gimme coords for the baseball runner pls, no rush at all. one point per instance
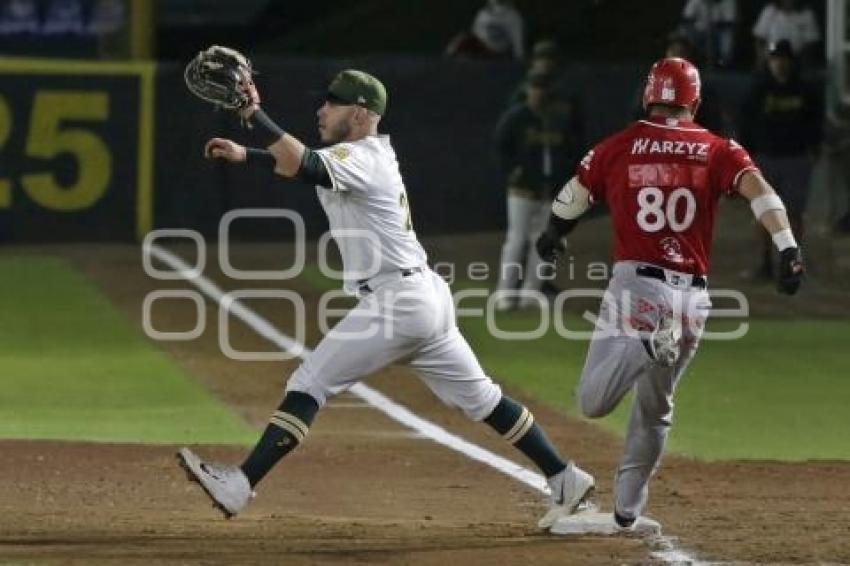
(405, 312)
(661, 178)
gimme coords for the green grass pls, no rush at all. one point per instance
(73, 368)
(781, 392)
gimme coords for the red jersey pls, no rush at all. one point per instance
(662, 179)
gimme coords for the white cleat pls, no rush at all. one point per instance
(570, 490)
(226, 485)
(664, 343)
(596, 523)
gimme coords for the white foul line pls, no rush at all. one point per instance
(374, 398)
(378, 400)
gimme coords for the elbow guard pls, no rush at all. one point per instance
(783, 239)
(764, 203)
(572, 201)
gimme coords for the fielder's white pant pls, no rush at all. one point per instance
(405, 319)
(617, 362)
(527, 218)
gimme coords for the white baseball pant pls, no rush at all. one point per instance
(618, 362)
(404, 319)
(527, 218)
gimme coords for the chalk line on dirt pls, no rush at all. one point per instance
(665, 548)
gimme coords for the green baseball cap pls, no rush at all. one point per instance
(356, 87)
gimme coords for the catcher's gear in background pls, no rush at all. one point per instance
(790, 270)
(217, 75)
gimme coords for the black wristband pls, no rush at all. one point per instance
(254, 155)
(266, 132)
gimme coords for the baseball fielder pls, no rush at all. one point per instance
(405, 312)
(662, 178)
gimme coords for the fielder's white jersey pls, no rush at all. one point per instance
(368, 211)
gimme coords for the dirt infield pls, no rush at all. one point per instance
(363, 489)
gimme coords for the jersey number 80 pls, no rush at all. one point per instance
(654, 214)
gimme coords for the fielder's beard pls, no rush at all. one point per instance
(337, 133)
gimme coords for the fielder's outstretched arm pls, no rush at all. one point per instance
(311, 170)
(292, 158)
(285, 152)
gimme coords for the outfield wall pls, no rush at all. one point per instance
(76, 150)
(107, 151)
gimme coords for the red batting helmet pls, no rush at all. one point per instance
(674, 82)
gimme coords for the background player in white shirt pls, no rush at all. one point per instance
(405, 312)
(792, 20)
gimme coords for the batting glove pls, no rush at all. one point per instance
(790, 270)
(550, 246)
